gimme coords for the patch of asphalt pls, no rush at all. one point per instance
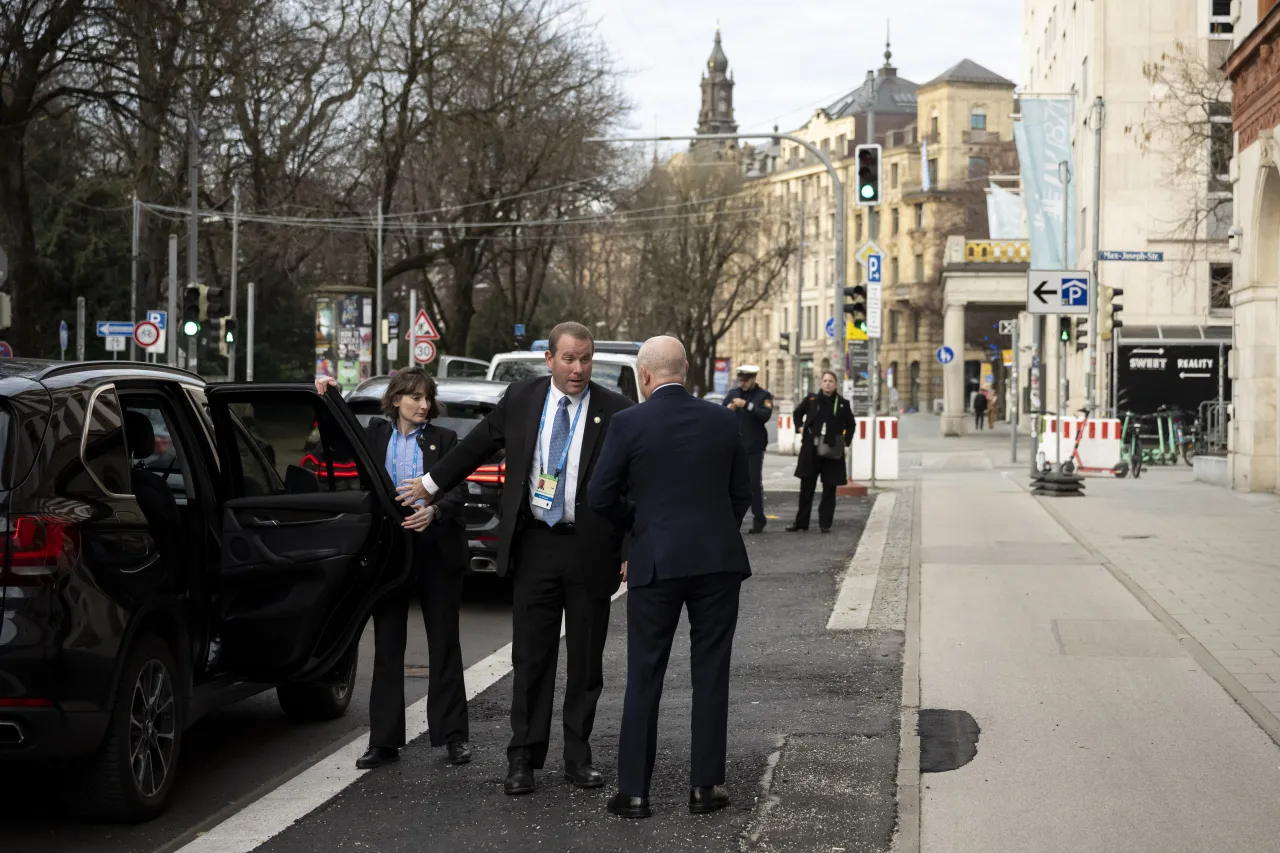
(831, 696)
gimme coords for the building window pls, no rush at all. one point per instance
(1220, 147)
(935, 178)
(915, 327)
(977, 120)
(933, 126)
(857, 226)
(896, 218)
(977, 167)
(842, 146)
(893, 327)
(893, 176)
(1220, 19)
(920, 267)
(1220, 277)
(894, 267)
(831, 225)
(919, 217)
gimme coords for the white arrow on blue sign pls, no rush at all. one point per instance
(115, 329)
(946, 355)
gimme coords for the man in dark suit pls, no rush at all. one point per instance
(674, 472)
(565, 558)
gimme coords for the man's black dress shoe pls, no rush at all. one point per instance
(583, 775)
(519, 777)
(376, 757)
(458, 752)
(707, 800)
(629, 807)
(791, 528)
(756, 529)
(826, 530)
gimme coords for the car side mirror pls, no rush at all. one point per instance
(300, 481)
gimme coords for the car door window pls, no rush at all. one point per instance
(291, 446)
(169, 461)
(627, 384)
(103, 453)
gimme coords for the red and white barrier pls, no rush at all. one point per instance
(1099, 449)
(788, 443)
(886, 449)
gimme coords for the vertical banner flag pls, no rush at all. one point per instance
(1043, 137)
(1006, 214)
(926, 180)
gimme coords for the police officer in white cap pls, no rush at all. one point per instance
(754, 407)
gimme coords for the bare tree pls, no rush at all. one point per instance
(709, 250)
(1188, 126)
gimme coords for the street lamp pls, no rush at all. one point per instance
(837, 188)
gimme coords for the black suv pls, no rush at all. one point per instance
(166, 554)
(463, 404)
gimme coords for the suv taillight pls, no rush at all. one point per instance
(492, 475)
(38, 549)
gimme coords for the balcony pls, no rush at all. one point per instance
(974, 137)
(997, 251)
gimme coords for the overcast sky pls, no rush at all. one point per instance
(790, 56)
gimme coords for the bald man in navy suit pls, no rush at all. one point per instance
(673, 471)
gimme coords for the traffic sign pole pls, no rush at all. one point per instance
(80, 312)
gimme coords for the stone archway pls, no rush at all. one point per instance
(1254, 443)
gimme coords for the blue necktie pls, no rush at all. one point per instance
(559, 437)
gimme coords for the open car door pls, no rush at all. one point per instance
(311, 531)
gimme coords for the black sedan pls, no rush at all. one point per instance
(463, 404)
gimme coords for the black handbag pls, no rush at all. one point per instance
(829, 451)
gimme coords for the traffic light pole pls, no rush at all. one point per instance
(1092, 380)
(837, 190)
(173, 323)
(235, 263)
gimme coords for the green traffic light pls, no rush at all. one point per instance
(231, 337)
(190, 328)
(868, 191)
(1066, 336)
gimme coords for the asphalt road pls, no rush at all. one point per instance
(812, 752)
(231, 756)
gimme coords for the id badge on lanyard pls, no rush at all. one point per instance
(544, 489)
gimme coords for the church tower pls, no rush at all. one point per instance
(716, 115)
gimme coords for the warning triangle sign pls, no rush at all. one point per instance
(423, 329)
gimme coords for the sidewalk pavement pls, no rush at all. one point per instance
(1120, 653)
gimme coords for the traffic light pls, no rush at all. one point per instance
(213, 304)
(1064, 329)
(868, 157)
(784, 341)
(858, 307)
(192, 298)
(229, 329)
(1109, 312)
(1082, 335)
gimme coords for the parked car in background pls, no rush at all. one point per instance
(459, 367)
(616, 347)
(615, 371)
(165, 555)
(463, 404)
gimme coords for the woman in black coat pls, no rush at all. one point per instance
(408, 444)
(825, 422)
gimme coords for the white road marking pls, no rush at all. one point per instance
(267, 817)
(858, 587)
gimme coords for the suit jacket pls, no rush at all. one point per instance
(513, 425)
(447, 535)
(674, 472)
(814, 411)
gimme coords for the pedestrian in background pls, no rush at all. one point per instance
(754, 407)
(411, 446)
(979, 410)
(826, 423)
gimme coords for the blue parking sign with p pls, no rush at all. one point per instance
(1075, 291)
(873, 268)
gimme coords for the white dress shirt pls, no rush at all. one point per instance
(570, 473)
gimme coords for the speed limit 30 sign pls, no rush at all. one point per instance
(147, 334)
(424, 352)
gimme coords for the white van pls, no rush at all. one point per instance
(614, 371)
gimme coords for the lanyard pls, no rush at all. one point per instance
(568, 442)
(417, 452)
